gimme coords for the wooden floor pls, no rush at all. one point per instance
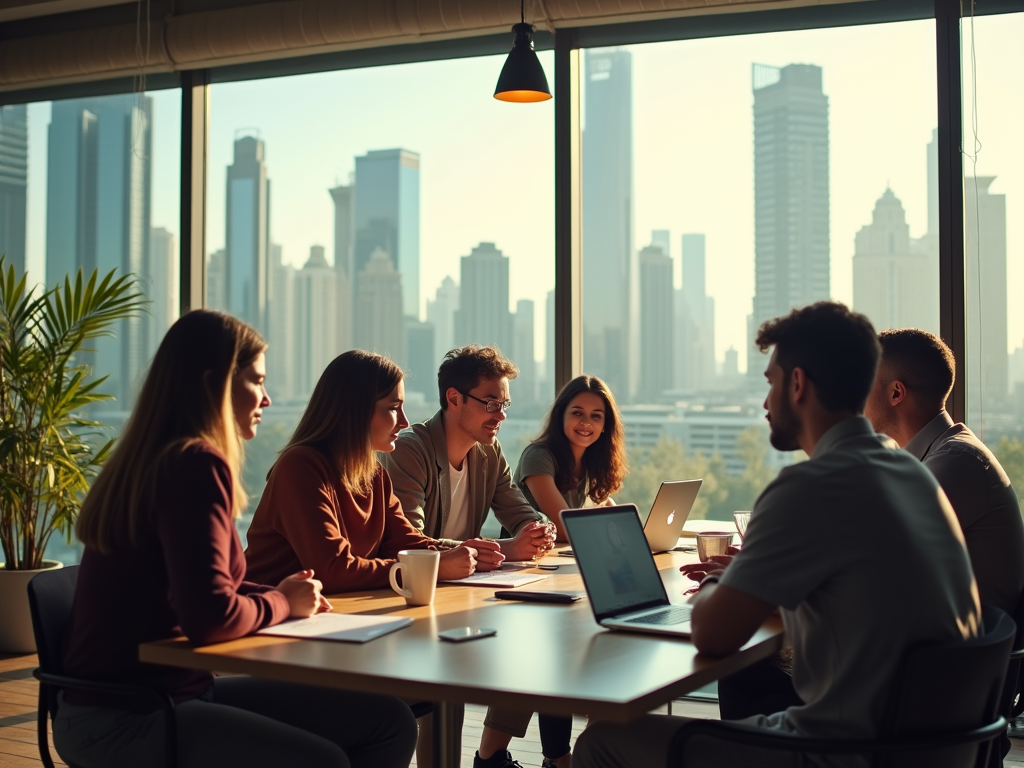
(18, 691)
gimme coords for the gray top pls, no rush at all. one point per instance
(538, 460)
(863, 555)
(984, 502)
(419, 474)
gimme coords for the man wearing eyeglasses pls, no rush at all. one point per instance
(449, 470)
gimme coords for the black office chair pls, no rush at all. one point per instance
(50, 596)
(944, 711)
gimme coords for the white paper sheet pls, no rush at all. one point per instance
(345, 627)
(497, 579)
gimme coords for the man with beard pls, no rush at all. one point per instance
(813, 547)
(449, 470)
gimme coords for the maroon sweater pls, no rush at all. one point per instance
(184, 576)
(307, 518)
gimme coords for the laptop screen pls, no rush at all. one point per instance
(614, 559)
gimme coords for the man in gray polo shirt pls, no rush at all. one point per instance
(858, 547)
(908, 403)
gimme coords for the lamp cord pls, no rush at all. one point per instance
(522, 11)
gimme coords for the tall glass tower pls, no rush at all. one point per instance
(98, 203)
(387, 217)
(791, 190)
(248, 232)
(13, 182)
(610, 268)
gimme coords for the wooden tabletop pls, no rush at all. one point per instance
(545, 657)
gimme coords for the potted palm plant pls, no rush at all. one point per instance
(49, 449)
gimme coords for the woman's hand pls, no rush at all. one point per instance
(456, 563)
(303, 593)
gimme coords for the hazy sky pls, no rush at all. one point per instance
(487, 167)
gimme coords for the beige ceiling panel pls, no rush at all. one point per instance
(269, 30)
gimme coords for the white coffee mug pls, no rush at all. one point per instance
(419, 575)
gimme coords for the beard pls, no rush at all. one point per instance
(785, 428)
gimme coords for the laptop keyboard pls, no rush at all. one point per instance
(677, 614)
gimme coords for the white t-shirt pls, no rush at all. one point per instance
(862, 552)
(458, 516)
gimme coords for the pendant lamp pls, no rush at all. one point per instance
(522, 78)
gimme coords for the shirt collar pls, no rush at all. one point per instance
(928, 434)
(851, 427)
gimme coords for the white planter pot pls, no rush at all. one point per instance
(15, 619)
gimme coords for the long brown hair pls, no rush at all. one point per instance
(605, 460)
(337, 418)
(185, 399)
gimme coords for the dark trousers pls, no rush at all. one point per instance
(555, 733)
(246, 723)
(760, 689)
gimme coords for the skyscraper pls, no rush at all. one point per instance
(483, 316)
(791, 190)
(610, 271)
(387, 216)
(316, 330)
(161, 287)
(421, 365)
(378, 324)
(441, 313)
(248, 232)
(13, 183)
(98, 202)
(344, 213)
(216, 280)
(522, 352)
(985, 257)
(656, 331)
(282, 321)
(894, 283)
(549, 346)
(695, 321)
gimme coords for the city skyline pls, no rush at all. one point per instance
(722, 252)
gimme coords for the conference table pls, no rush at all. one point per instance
(545, 657)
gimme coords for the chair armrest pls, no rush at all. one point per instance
(1017, 653)
(768, 739)
(163, 700)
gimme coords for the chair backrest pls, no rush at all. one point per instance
(952, 686)
(50, 596)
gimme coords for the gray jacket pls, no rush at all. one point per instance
(419, 473)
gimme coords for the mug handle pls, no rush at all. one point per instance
(394, 584)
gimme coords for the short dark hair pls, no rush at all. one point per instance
(922, 361)
(464, 368)
(837, 348)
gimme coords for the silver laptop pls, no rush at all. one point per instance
(622, 581)
(671, 507)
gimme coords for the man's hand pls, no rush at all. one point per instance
(456, 563)
(488, 554)
(697, 571)
(532, 541)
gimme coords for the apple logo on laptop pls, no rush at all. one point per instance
(671, 517)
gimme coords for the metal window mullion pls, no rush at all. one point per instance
(195, 121)
(952, 282)
(568, 212)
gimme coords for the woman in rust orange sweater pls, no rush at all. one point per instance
(328, 504)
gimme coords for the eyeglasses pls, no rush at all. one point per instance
(491, 406)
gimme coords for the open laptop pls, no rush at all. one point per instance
(622, 581)
(671, 507)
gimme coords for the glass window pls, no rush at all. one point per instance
(94, 183)
(994, 235)
(398, 209)
(726, 181)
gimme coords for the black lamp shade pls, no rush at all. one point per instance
(522, 78)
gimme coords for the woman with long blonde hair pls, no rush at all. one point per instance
(162, 559)
(329, 504)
